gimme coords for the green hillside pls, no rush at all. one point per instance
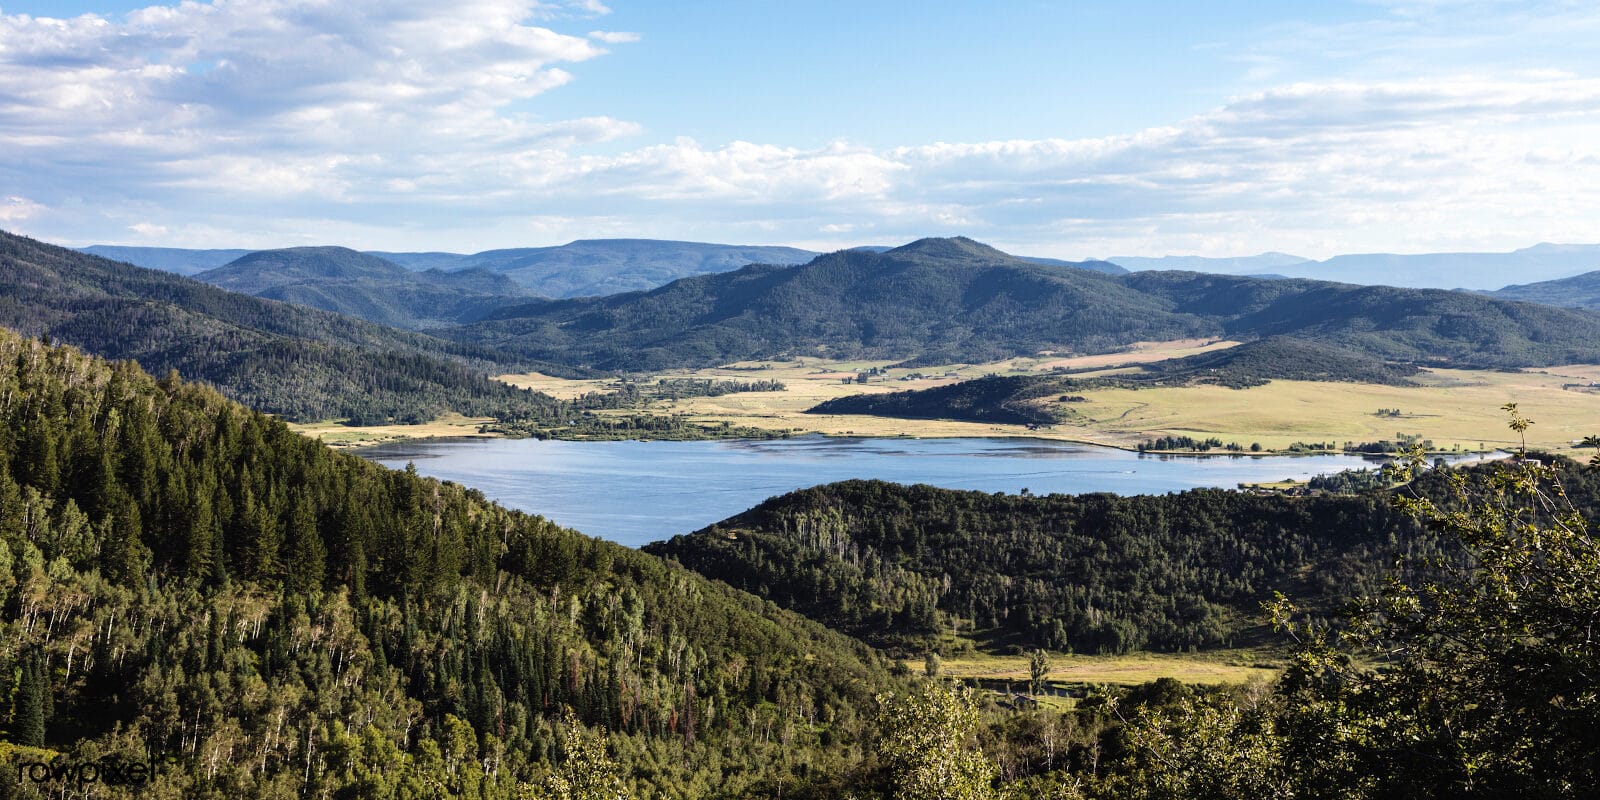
(1578, 291)
(1092, 573)
(955, 300)
(366, 286)
(302, 363)
(190, 583)
(938, 300)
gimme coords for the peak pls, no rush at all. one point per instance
(954, 247)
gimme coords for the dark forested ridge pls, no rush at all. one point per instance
(366, 286)
(183, 579)
(1093, 573)
(998, 398)
(1013, 399)
(298, 362)
(941, 300)
(1426, 326)
(955, 300)
(172, 259)
(1578, 291)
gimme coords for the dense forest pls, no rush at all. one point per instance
(181, 577)
(1016, 399)
(1578, 291)
(940, 301)
(906, 565)
(197, 598)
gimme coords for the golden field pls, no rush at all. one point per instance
(1454, 408)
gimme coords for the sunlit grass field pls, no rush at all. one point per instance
(1454, 408)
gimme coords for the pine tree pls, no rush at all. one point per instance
(29, 716)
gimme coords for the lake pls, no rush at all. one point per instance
(638, 492)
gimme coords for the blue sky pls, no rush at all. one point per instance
(1067, 129)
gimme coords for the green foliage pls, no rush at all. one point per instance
(926, 743)
(902, 565)
(1038, 669)
(1486, 682)
(183, 577)
(587, 771)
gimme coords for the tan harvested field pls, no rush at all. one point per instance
(1233, 666)
(337, 435)
(1454, 408)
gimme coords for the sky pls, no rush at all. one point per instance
(1065, 129)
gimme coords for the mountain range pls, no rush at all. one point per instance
(1480, 271)
(955, 300)
(300, 362)
(366, 286)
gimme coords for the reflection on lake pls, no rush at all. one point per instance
(638, 492)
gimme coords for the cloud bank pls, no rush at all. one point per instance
(401, 125)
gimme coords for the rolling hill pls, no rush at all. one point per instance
(171, 259)
(939, 300)
(299, 362)
(218, 584)
(899, 565)
(366, 286)
(1578, 291)
(607, 266)
(1479, 271)
(955, 300)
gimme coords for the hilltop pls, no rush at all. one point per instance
(1578, 291)
(366, 286)
(281, 620)
(302, 363)
(955, 300)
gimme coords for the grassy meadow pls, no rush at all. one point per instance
(1454, 408)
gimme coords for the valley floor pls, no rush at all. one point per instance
(1456, 409)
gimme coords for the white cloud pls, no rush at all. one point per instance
(404, 124)
(16, 209)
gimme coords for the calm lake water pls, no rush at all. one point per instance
(639, 492)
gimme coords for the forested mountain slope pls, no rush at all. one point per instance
(955, 300)
(187, 582)
(1093, 573)
(362, 285)
(592, 267)
(941, 300)
(172, 259)
(1578, 291)
(298, 362)
(1430, 326)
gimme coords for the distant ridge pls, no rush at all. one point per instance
(1578, 291)
(1266, 262)
(366, 286)
(939, 301)
(1477, 271)
(302, 363)
(170, 259)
